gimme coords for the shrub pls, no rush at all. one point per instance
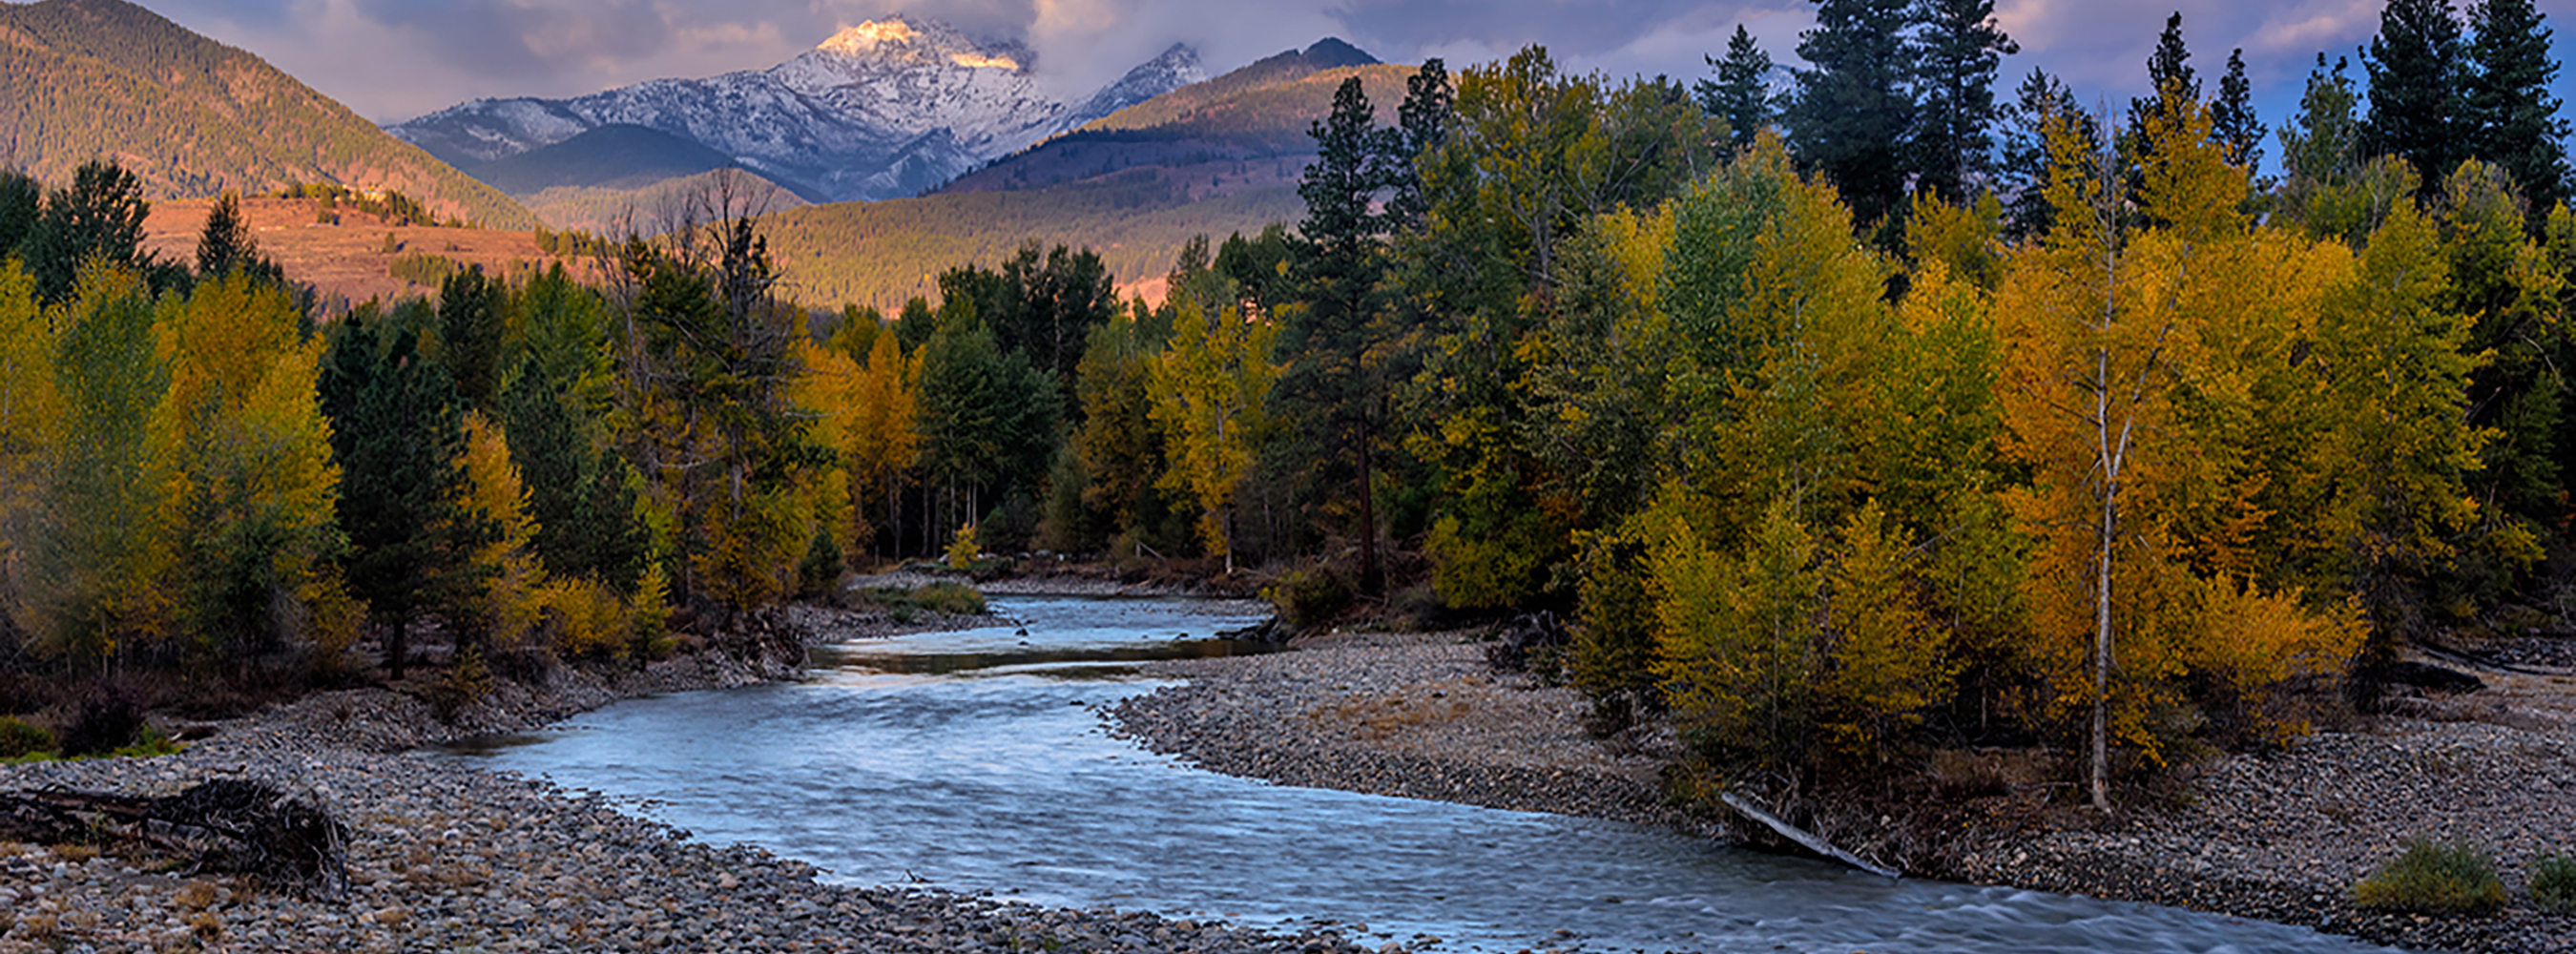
(953, 599)
(2434, 876)
(821, 569)
(20, 738)
(1309, 597)
(109, 718)
(2553, 883)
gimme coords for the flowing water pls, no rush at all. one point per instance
(974, 761)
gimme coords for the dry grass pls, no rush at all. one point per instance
(347, 259)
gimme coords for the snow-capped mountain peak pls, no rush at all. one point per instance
(879, 110)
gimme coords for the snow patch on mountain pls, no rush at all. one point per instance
(880, 110)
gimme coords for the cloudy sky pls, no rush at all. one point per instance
(395, 59)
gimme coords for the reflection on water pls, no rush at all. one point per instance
(904, 759)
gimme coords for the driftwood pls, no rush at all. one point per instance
(233, 825)
(1745, 806)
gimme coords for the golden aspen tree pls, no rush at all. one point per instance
(2088, 371)
(29, 406)
(881, 445)
(1887, 661)
(251, 494)
(1211, 391)
(513, 597)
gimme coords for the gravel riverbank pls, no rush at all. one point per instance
(2281, 837)
(445, 857)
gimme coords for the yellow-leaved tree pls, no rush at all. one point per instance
(250, 491)
(1211, 389)
(95, 581)
(29, 407)
(513, 596)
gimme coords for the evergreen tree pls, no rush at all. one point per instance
(2026, 167)
(2417, 68)
(2169, 72)
(100, 216)
(1422, 124)
(225, 241)
(2515, 120)
(1334, 345)
(1741, 95)
(472, 320)
(398, 434)
(225, 244)
(1852, 119)
(1955, 57)
(22, 200)
(2231, 118)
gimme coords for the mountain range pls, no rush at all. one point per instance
(1213, 158)
(885, 109)
(82, 79)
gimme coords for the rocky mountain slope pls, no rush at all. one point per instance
(191, 117)
(885, 109)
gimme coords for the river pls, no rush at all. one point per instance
(976, 761)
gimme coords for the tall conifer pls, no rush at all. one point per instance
(2508, 102)
(2416, 66)
(1955, 55)
(1852, 118)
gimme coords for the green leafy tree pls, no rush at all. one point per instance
(96, 583)
(2508, 105)
(1422, 123)
(1741, 94)
(1852, 118)
(253, 505)
(1955, 54)
(556, 409)
(2417, 67)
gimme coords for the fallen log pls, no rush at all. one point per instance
(231, 825)
(1745, 807)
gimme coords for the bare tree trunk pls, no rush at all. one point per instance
(1370, 583)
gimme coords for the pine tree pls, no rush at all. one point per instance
(100, 216)
(2417, 68)
(225, 241)
(22, 200)
(2169, 72)
(2508, 105)
(472, 320)
(398, 434)
(2232, 116)
(1852, 118)
(1422, 125)
(1741, 95)
(1335, 348)
(2039, 100)
(1955, 56)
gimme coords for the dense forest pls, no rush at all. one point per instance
(1938, 421)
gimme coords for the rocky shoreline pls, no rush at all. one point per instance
(446, 857)
(2280, 837)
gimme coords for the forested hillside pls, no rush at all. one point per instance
(81, 79)
(1214, 158)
